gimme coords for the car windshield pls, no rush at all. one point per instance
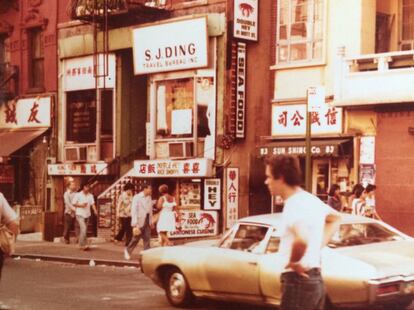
(362, 233)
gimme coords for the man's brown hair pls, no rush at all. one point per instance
(285, 166)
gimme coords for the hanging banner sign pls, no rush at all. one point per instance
(195, 224)
(245, 19)
(170, 46)
(232, 196)
(241, 90)
(212, 194)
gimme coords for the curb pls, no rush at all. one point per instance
(78, 261)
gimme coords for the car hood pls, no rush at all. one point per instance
(389, 258)
(202, 243)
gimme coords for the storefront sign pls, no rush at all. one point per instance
(288, 120)
(170, 46)
(78, 73)
(241, 90)
(6, 174)
(77, 169)
(319, 150)
(212, 194)
(200, 167)
(245, 19)
(367, 150)
(26, 113)
(232, 195)
(195, 224)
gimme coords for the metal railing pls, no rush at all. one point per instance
(8, 81)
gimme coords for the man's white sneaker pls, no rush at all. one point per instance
(126, 254)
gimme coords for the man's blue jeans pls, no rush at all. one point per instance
(300, 293)
(83, 226)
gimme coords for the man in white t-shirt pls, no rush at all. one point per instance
(308, 225)
(84, 201)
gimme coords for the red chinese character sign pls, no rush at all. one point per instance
(288, 120)
(26, 113)
(232, 196)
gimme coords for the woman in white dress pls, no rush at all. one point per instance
(166, 221)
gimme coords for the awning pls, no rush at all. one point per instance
(13, 139)
(319, 147)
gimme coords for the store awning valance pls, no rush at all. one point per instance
(319, 147)
(13, 139)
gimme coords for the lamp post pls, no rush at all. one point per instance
(315, 98)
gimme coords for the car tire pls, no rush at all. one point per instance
(177, 290)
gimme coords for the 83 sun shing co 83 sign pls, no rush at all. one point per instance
(170, 46)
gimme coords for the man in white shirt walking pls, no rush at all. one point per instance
(308, 225)
(70, 210)
(84, 201)
(8, 218)
(141, 220)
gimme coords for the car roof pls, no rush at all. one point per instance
(275, 219)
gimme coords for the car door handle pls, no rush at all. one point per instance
(252, 263)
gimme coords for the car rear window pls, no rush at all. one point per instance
(362, 233)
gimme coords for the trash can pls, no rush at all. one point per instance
(50, 225)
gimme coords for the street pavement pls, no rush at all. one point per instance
(39, 285)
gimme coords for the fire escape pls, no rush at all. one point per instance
(8, 81)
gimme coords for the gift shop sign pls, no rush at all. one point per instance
(79, 73)
(77, 169)
(26, 113)
(212, 194)
(195, 224)
(245, 19)
(170, 46)
(290, 120)
(200, 167)
(232, 195)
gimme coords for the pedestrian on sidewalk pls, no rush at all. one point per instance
(334, 197)
(124, 213)
(70, 210)
(307, 226)
(141, 220)
(166, 221)
(84, 201)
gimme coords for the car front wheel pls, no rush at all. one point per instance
(177, 289)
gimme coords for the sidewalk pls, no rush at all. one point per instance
(106, 253)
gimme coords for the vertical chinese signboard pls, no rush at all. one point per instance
(232, 196)
(212, 194)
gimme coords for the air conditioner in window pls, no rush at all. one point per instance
(181, 149)
(76, 153)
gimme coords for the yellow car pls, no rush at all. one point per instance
(367, 263)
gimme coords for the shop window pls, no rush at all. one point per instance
(36, 61)
(190, 195)
(81, 116)
(299, 31)
(175, 102)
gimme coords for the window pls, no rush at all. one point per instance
(106, 113)
(81, 116)
(36, 61)
(248, 238)
(407, 27)
(175, 102)
(299, 31)
(2, 50)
